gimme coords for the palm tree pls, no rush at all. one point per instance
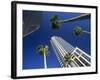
(78, 30)
(43, 49)
(67, 58)
(56, 23)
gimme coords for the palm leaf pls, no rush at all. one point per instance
(55, 25)
(54, 18)
(77, 31)
(67, 58)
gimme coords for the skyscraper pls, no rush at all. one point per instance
(69, 56)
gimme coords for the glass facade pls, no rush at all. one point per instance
(69, 56)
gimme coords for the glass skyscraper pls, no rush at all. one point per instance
(69, 56)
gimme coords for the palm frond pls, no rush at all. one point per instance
(54, 18)
(55, 25)
(67, 58)
(77, 31)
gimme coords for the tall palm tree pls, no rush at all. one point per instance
(43, 49)
(78, 30)
(67, 59)
(55, 22)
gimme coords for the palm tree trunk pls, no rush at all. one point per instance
(86, 32)
(74, 18)
(45, 62)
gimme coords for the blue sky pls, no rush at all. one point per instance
(32, 59)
